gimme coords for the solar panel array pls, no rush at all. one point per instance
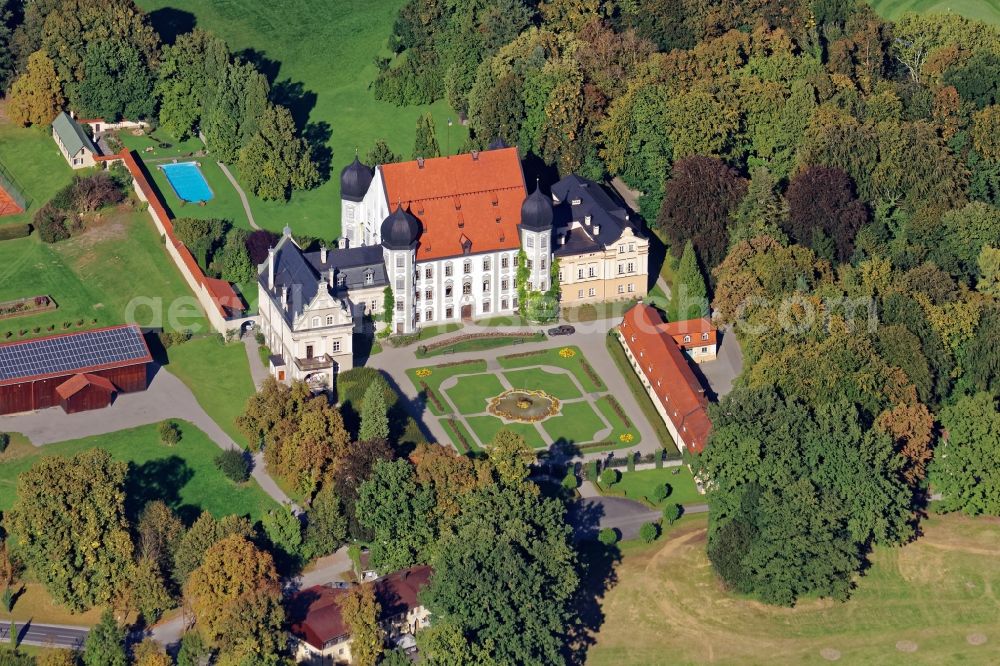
(70, 353)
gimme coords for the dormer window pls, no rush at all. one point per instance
(687, 338)
(329, 320)
(369, 276)
(341, 280)
(704, 336)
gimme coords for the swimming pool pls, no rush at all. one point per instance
(188, 181)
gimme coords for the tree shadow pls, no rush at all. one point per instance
(535, 168)
(159, 479)
(171, 22)
(266, 66)
(293, 96)
(316, 136)
(597, 568)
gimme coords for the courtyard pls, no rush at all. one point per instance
(549, 396)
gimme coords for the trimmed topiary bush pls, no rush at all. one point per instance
(672, 512)
(608, 536)
(661, 492)
(234, 464)
(570, 482)
(610, 477)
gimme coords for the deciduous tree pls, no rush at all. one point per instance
(235, 596)
(821, 201)
(326, 524)
(426, 143)
(276, 160)
(360, 610)
(699, 197)
(36, 97)
(118, 83)
(202, 535)
(69, 522)
(397, 511)
(966, 468)
(105, 643)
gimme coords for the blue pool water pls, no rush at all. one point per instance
(188, 181)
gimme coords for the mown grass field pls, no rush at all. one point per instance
(983, 10)
(219, 376)
(931, 602)
(184, 475)
(642, 484)
(32, 158)
(115, 272)
(327, 49)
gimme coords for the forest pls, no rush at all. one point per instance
(837, 176)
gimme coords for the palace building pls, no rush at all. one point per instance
(444, 235)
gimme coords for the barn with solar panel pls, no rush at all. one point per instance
(76, 371)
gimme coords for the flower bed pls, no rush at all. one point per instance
(26, 306)
(589, 371)
(424, 349)
(461, 442)
(617, 407)
(526, 354)
(504, 405)
(432, 396)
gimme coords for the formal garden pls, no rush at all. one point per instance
(550, 397)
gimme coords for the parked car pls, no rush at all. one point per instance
(565, 329)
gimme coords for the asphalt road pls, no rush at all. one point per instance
(45, 635)
(590, 515)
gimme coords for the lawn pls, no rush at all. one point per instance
(225, 203)
(618, 426)
(471, 394)
(559, 385)
(440, 373)
(219, 376)
(460, 433)
(552, 357)
(327, 51)
(983, 10)
(149, 146)
(115, 272)
(184, 476)
(641, 485)
(932, 601)
(32, 158)
(576, 423)
(486, 428)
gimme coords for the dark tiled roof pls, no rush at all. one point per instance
(301, 272)
(608, 216)
(315, 612)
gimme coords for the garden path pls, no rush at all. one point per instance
(166, 398)
(589, 337)
(243, 195)
(589, 398)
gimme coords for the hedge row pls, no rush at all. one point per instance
(12, 231)
(461, 442)
(432, 396)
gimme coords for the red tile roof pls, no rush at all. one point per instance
(77, 383)
(459, 197)
(316, 616)
(693, 327)
(668, 373)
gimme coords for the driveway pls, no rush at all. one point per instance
(166, 398)
(720, 374)
(591, 514)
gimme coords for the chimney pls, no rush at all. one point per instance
(322, 253)
(284, 297)
(597, 229)
(420, 163)
(287, 231)
(331, 279)
(344, 242)
(270, 268)
(475, 155)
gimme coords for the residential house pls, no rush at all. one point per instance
(74, 144)
(321, 635)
